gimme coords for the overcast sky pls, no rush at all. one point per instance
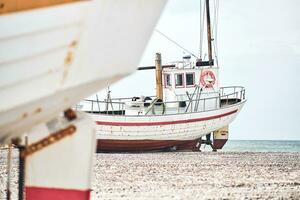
(259, 48)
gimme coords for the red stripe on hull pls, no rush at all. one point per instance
(41, 193)
(165, 122)
(104, 145)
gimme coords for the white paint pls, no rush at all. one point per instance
(67, 163)
(180, 131)
(171, 92)
(110, 36)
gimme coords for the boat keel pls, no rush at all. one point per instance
(220, 137)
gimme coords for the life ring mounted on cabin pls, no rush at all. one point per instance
(159, 104)
(207, 79)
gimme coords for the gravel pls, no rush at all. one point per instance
(186, 175)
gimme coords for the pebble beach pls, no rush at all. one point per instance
(197, 175)
(187, 175)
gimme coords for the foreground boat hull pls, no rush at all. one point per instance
(68, 53)
(67, 176)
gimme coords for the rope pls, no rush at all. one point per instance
(200, 36)
(216, 42)
(215, 29)
(168, 38)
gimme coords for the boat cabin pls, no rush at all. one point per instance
(183, 79)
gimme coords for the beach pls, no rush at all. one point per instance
(197, 175)
(188, 175)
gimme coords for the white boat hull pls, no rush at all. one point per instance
(52, 57)
(184, 127)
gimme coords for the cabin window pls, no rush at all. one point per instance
(179, 80)
(190, 79)
(168, 82)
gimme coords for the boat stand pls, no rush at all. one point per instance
(209, 142)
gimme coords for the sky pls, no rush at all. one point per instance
(258, 48)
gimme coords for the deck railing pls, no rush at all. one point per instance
(117, 106)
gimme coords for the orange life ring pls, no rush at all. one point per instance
(207, 79)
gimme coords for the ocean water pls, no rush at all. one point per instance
(262, 146)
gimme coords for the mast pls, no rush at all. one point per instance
(208, 33)
(210, 61)
(159, 89)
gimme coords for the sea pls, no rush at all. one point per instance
(261, 146)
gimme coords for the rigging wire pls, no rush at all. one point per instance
(215, 29)
(214, 32)
(200, 21)
(168, 38)
(217, 25)
(216, 21)
(216, 41)
(200, 8)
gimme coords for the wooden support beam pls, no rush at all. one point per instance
(158, 70)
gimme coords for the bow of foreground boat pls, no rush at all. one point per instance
(62, 53)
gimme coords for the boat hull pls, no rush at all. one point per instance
(219, 143)
(67, 176)
(68, 53)
(180, 132)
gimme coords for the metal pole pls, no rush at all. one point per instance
(208, 32)
(21, 172)
(98, 103)
(8, 193)
(26, 140)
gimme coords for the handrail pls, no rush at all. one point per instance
(127, 98)
(95, 101)
(225, 93)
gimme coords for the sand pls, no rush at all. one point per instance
(189, 175)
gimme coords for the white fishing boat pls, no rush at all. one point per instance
(53, 53)
(193, 105)
(189, 104)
